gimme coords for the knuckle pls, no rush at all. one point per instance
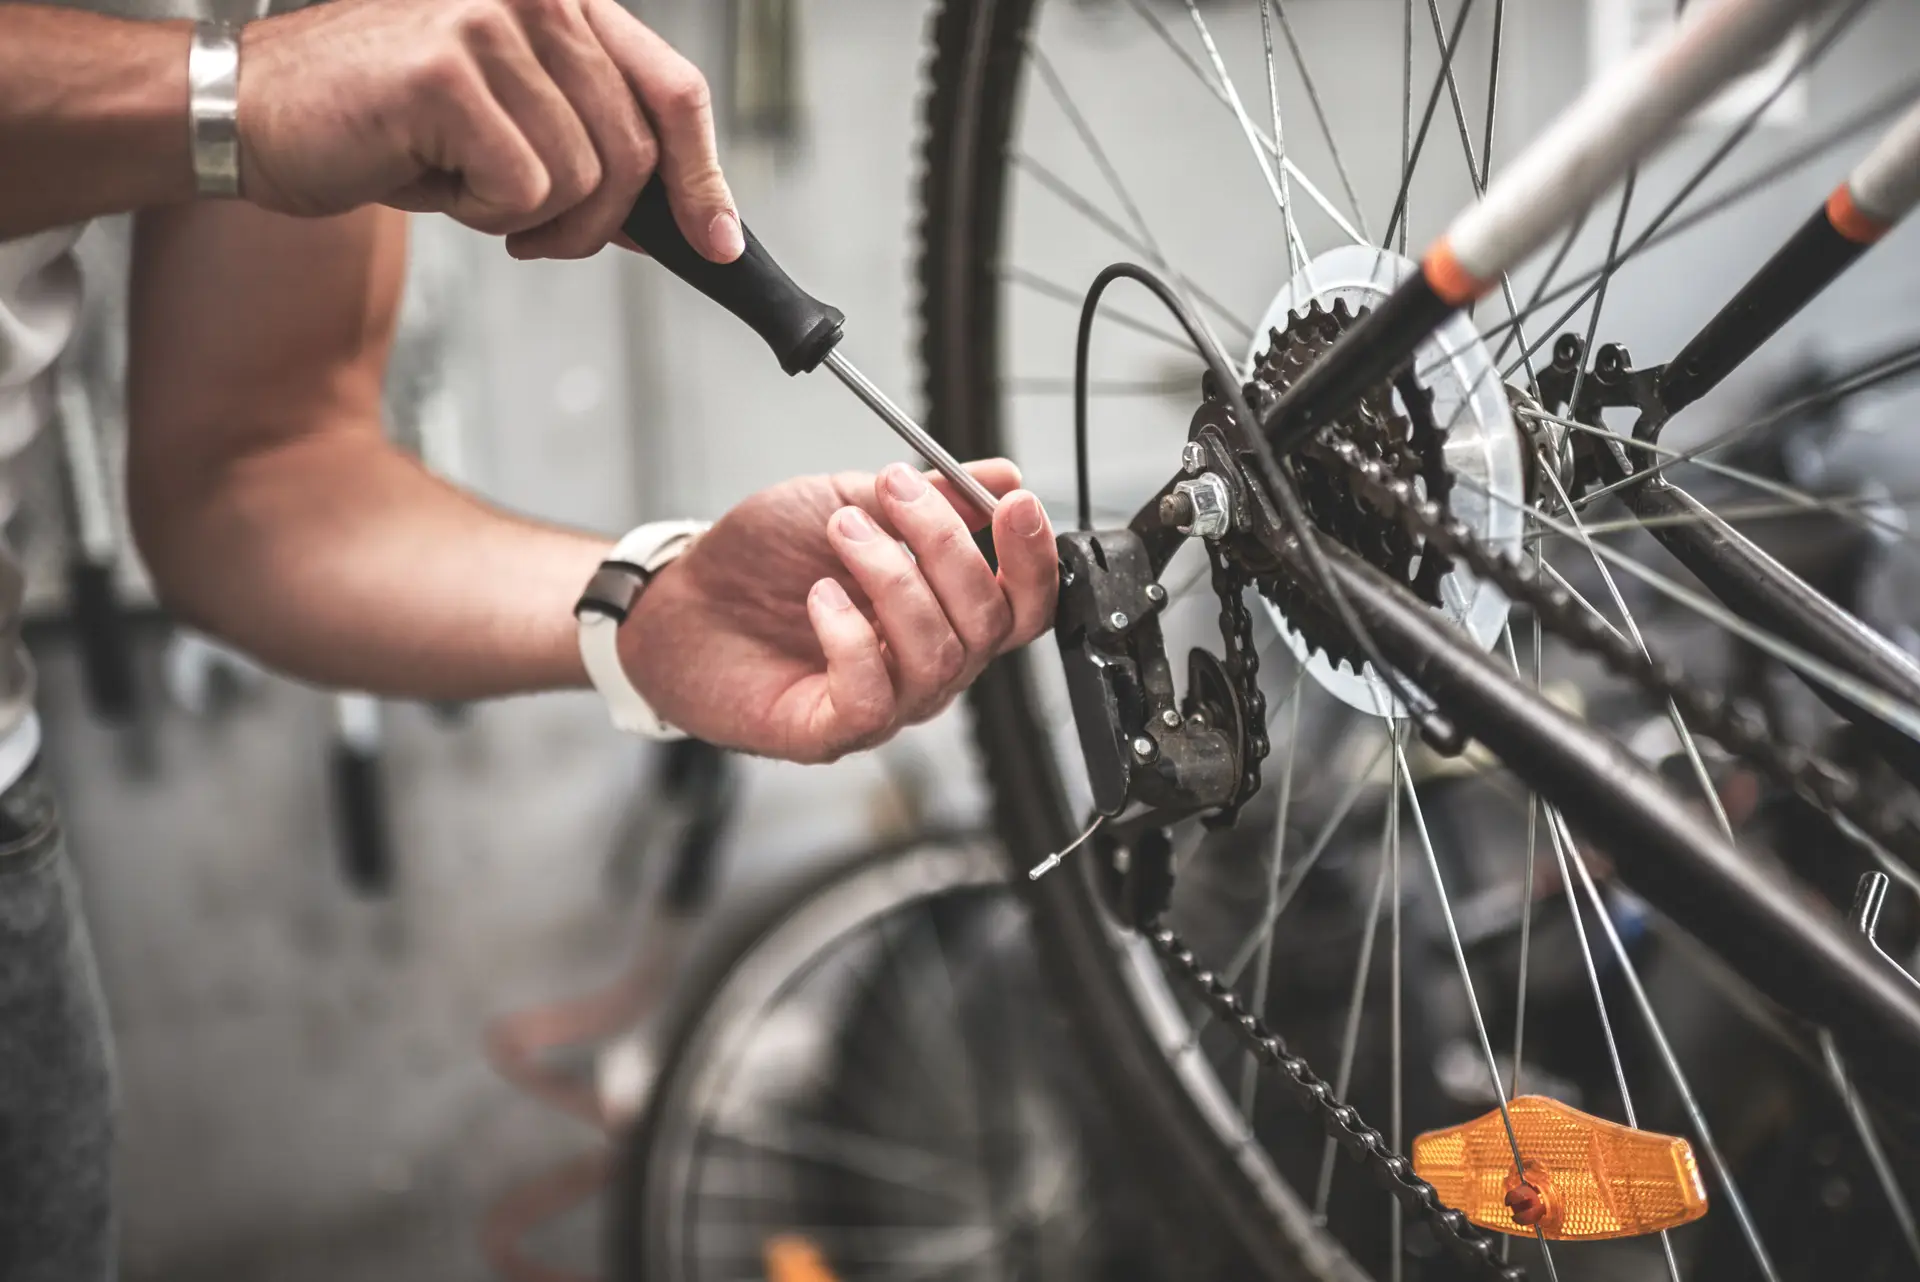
(443, 75)
(949, 660)
(994, 625)
(628, 156)
(545, 13)
(643, 148)
(685, 92)
(485, 26)
(579, 176)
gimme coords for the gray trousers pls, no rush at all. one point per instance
(56, 1061)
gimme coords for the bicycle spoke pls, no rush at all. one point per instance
(1893, 365)
(1845, 507)
(1263, 971)
(1406, 168)
(1145, 387)
(1290, 884)
(1515, 320)
(1476, 175)
(1397, 1120)
(1527, 890)
(1854, 508)
(1613, 264)
(1675, 1073)
(1615, 261)
(1606, 278)
(1870, 1141)
(1319, 110)
(1057, 88)
(1526, 897)
(1356, 1003)
(1206, 80)
(883, 1160)
(1606, 1023)
(1251, 131)
(1076, 200)
(1687, 741)
(1894, 711)
(1397, 220)
(1466, 977)
(1818, 148)
(1493, 89)
(1294, 248)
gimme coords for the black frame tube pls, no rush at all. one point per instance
(1810, 260)
(1769, 931)
(1769, 595)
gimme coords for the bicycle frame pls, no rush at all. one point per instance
(1804, 958)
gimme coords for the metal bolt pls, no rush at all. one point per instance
(1118, 620)
(1156, 594)
(1211, 502)
(1144, 748)
(1170, 719)
(1193, 457)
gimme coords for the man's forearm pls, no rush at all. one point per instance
(341, 561)
(93, 116)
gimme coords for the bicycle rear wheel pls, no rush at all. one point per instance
(1014, 144)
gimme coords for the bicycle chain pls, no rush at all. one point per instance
(1242, 663)
(1341, 1120)
(1737, 727)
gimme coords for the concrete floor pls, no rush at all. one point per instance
(302, 1090)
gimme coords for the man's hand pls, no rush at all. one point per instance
(539, 120)
(801, 627)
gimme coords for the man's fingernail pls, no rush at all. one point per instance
(724, 236)
(855, 525)
(904, 483)
(830, 594)
(1027, 518)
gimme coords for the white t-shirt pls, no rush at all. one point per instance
(39, 309)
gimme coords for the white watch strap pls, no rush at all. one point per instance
(609, 598)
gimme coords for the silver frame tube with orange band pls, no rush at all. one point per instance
(1613, 126)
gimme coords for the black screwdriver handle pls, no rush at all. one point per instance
(799, 328)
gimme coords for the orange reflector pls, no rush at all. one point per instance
(794, 1259)
(1586, 1178)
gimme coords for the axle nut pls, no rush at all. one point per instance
(1206, 503)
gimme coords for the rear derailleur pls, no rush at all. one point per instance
(1147, 749)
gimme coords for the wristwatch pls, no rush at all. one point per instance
(213, 107)
(610, 597)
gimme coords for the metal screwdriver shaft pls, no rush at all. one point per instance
(911, 432)
(802, 331)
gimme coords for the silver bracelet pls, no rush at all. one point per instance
(213, 80)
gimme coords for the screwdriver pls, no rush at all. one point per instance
(803, 332)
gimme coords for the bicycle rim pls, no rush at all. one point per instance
(977, 168)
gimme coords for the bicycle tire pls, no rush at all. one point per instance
(975, 77)
(795, 934)
(970, 99)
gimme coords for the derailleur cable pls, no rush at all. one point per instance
(1276, 474)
